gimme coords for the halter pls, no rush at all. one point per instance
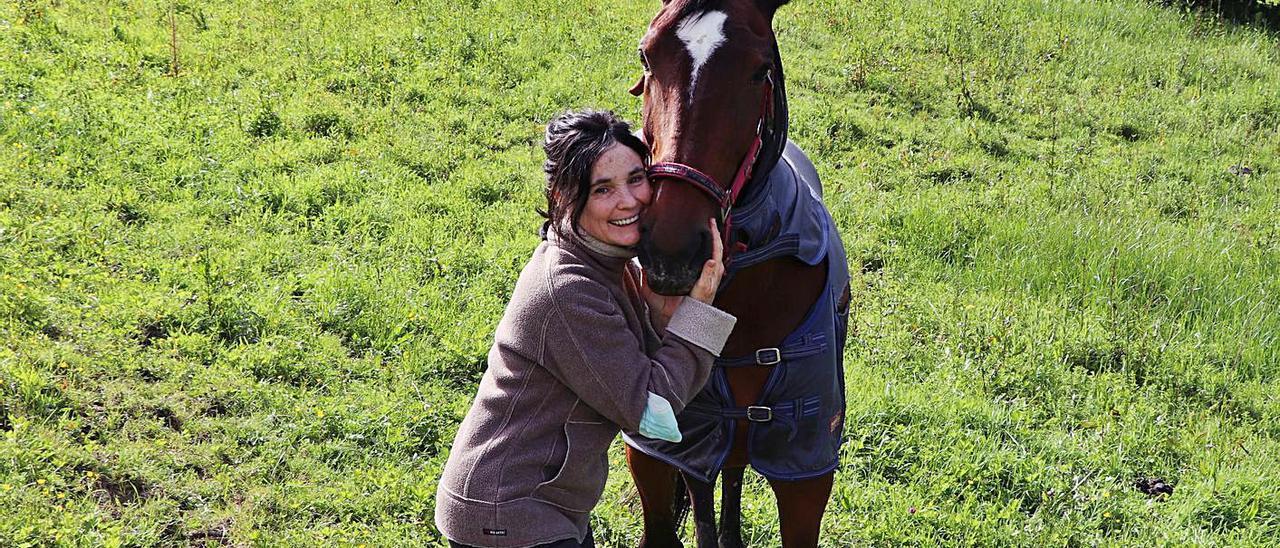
(708, 185)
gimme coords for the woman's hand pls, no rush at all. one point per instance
(709, 282)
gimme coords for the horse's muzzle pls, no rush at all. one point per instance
(674, 273)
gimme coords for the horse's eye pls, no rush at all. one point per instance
(761, 74)
(644, 61)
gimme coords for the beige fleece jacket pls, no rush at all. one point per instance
(573, 360)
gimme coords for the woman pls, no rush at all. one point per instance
(582, 350)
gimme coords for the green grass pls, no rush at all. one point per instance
(249, 304)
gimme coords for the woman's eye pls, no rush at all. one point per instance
(601, 190)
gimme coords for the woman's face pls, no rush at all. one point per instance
(619, 193)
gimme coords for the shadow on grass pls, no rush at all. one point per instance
(1263, 14)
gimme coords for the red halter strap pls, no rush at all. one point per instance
(724, 198)
(698, 179)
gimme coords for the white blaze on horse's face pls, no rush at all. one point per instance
(701, 33)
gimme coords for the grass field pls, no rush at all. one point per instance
(248, 303)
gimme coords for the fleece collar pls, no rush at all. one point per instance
(563, 235)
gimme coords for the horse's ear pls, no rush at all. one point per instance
(768, 7)
(637, 89)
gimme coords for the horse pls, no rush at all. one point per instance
(715, 117)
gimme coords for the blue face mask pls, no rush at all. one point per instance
(659, 420)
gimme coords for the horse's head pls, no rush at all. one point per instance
(715, 118)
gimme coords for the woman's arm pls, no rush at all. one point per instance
(594, 353)
(590, 348)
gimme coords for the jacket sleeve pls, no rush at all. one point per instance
(589, 347)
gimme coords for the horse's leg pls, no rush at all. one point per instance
(702, 496)
(656, 482)
(731, 508)
(800, 508)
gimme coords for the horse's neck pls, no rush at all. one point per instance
(757, 186)
(770, 300)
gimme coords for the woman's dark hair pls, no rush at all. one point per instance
(573, 143)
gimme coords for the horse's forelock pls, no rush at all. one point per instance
(685, 9)
(696, 6)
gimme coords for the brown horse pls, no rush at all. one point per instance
(715, 116)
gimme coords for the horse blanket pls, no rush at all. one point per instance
(796, 428)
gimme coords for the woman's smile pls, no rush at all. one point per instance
(625, 222)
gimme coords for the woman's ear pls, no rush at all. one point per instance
(637, 89)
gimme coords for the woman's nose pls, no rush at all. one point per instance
(628, 199)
